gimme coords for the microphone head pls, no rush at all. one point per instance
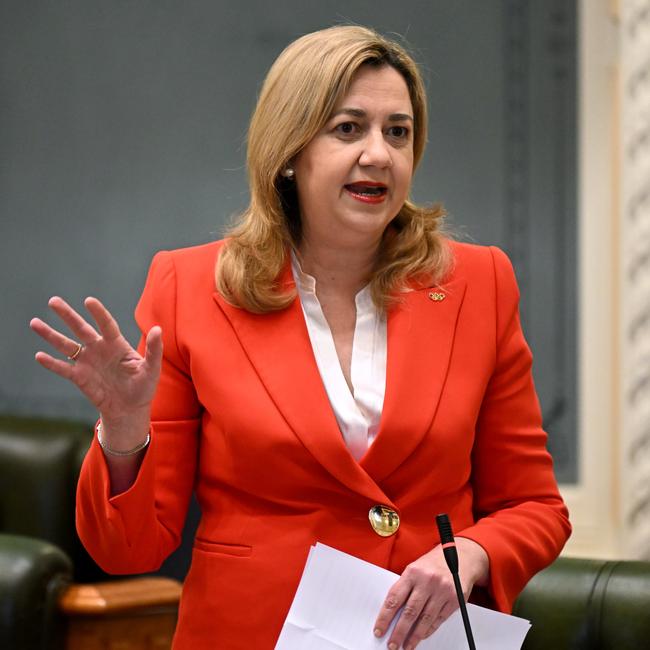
(444, 529)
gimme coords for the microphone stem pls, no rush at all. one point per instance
(463, 611)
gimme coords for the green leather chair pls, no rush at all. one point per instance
(43, 565)
(578, 604)
(40, 554)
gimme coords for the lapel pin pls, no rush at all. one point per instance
(437, 296)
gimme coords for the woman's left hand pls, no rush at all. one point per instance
(426, 592)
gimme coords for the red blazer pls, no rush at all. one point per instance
(242, 417)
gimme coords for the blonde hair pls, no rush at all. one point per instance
(296, 100)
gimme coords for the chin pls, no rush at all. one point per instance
(367, 225)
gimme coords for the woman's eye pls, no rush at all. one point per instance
(347, 128)
(400, 132)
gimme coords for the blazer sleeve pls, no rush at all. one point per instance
(133, 532)
(521, 520)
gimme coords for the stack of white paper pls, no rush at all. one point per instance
(338, 600)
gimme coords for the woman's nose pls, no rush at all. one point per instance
(376, 151)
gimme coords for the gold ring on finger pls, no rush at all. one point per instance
(76, 353)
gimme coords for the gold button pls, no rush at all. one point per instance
(384, 520)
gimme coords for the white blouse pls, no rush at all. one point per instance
(357, 414)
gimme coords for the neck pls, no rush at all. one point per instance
(338, 268)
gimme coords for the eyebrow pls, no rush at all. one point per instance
(357, 112)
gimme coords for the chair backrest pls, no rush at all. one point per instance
(40, 462)
(39, 466)
(579, 604)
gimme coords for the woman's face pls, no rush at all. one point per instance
(354, 175)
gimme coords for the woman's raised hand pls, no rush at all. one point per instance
(116, 379)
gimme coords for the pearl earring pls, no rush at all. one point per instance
(288, 173)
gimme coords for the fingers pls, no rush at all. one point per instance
(409, 618)
(430, 619)
(427, 596)
(106, 324)
(78, 325)
(64, 344)
(154, 349)
(395, 598)
(414, 601)
(57, 366)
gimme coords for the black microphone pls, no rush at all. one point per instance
(451, 557)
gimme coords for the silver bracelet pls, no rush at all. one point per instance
(115, 452)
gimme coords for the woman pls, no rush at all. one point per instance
(332, 364)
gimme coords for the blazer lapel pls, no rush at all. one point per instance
(420, 341)
(279, 348)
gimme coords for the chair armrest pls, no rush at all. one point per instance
(32, 575)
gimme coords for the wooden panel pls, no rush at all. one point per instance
(147, 630)
(131, 614)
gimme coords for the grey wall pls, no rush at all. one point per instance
(122, 128)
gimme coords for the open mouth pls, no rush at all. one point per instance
(367, 191)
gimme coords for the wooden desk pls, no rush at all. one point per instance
(132, 614)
